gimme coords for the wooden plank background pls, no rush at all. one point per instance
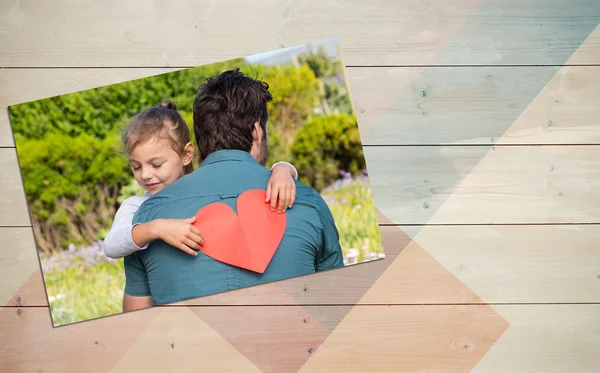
(480, 125)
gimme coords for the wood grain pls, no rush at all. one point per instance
(382, 32)
(546, 338)
(408, 338)
(444, 185)
(466, 105)
(555, 264)
(541, 338)
(401, 105)
(486, 185)
(500, 264)
(12, 194)
(447, 75)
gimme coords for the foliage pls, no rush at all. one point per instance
(130, 190)
(126, 191)
(71, 185)
(320, 64)
(295, 92)
(329, 72)
(351, 204)
(99, 111)
(83, 284)
(325, 145)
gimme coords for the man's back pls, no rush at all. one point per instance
(310, 242)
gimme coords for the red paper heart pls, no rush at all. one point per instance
(246, 240)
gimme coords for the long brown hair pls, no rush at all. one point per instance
(163, 121)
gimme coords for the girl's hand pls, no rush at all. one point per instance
(181, 234)
(281, 186)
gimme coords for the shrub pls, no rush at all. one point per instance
(71, 184)
(326, 145)
(100, 111)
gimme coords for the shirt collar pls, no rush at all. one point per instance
(228, 155)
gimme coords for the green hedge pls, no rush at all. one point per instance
(325, 146)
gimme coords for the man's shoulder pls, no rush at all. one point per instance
(309, 196)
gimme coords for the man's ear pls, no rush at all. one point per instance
(257, 132)
(188, 153)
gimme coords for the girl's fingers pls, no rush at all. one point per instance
(293, 198)
(197, 239)
(190, 243)
(268, 193)
(197, 232)
(285, 201)
(276, 193)
(186, 249)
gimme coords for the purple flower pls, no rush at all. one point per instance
(73, 257)
(345, 174)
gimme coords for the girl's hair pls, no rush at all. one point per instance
(163, 121)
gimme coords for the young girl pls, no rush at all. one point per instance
(157, 141)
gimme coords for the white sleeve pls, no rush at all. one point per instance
(289, 164)
(119, 242)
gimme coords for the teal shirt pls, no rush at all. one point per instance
(310, 243)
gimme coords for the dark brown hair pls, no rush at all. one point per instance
(163, 121)
(225, 109)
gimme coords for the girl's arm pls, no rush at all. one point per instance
(292, 170)
(126, 238)
(119, 241)
(281, 187)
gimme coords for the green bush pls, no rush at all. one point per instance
(71, 185)
(335, 94)
(296, 94)
(99, 111)
(324, 147)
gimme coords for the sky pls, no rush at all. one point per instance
(284, 55)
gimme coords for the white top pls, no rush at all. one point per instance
(119, 241)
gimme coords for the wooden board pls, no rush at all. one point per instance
(556, 264)
(383, 32)
(484, 105)
(486, 185)
(444, 185)
(405, 105)
(430, 79)
(370, 338)
(517, 264)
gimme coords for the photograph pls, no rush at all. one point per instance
(196, 182)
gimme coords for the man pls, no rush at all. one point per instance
(230, 124)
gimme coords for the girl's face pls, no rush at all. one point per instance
(155, 164)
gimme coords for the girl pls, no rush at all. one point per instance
(157, 141)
